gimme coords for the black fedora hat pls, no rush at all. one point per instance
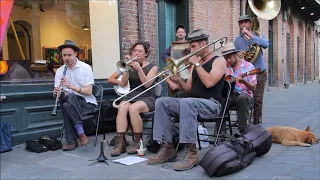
(197, 35)
(68, 44)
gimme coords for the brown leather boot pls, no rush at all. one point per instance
(189, 160)
(166, 153)
(136, 144)
(83, 139)
(70, 147)
(120, 146)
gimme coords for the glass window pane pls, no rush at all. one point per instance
(170, 23)
(42, 26)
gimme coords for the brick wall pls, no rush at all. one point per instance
(130, 25)
(309, 52)
(213, 17)
(317, 38)
(301, 34)
(278, 51)
(220, 18)
(234, 16)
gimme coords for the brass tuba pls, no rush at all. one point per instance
(264, 9)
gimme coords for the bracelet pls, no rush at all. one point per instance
(79, 90)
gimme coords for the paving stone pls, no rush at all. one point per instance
(295, 107)
(34, 171)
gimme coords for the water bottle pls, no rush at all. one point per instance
(204, 143)
(141, 144)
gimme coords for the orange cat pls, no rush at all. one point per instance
(288, 136)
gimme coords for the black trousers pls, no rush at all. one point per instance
(242, 102)
(74, 109)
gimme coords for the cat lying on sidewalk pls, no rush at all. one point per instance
(288, 136)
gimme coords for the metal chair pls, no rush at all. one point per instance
(97, 91)
(224, 115)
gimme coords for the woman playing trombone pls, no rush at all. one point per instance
(141, 71)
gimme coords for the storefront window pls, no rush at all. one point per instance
(31, 53)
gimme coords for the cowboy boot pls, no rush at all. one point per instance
(189, 160)
(120, 146)
(166, 153)
(136, 143)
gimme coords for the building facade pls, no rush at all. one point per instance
(293, 55)
(105, 30)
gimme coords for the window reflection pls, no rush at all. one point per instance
(42, 26)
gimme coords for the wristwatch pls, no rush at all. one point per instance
(197, 64)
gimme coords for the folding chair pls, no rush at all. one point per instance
(224, 115)
(97, 91)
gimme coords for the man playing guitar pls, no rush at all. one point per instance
(244, 86)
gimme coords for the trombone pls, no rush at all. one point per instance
(123, 66)
(173, 66)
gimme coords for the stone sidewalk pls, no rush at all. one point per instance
(296, 107)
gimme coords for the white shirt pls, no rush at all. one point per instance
(80, 76)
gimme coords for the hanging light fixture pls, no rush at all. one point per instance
(85, 27)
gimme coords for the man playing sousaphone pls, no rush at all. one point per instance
(242, 42)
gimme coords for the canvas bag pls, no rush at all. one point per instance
(5, 132)
(260, 138)
(228, 157)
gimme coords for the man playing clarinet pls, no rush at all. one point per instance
(76, 83)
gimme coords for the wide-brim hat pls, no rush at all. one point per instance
(197, 35)
(244, 18)
(229, 48)
(68, 44)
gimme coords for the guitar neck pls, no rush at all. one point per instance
(244, 74)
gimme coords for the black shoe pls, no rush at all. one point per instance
(234, 124)
(256, 122)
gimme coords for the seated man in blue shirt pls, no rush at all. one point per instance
(242, 42)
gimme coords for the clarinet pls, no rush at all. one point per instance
(54, 111)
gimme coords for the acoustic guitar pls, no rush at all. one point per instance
(232, 79)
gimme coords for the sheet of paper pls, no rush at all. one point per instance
(130, 160)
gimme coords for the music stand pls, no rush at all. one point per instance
(102, 157)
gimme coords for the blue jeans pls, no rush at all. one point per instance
(189, 111)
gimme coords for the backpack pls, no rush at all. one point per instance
(35, 146)
(43, 144)
(260, 138)
(5, 137)
(50, 142)
(228, 157)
